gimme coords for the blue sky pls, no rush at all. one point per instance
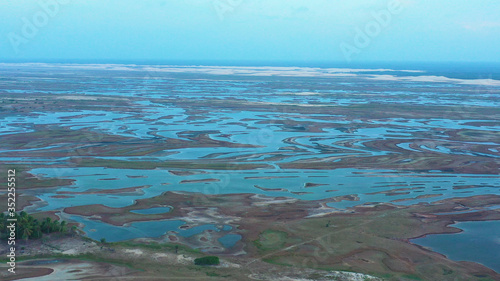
(263, 30)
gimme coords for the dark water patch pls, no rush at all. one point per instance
(229, 240)
(479, 242)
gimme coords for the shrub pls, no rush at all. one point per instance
(210, 260)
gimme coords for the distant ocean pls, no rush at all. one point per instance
(458, 70)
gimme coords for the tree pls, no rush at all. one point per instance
(37, 232)
(27, 232)
(54, 226)
(74, 230)
(63, 226)
(103, 241)
(46, 225)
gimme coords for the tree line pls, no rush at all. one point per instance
(27, 227)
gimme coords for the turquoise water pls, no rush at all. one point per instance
(152, 229)
(96, 229)
(229, 240)
(368, 185)
(479, 242)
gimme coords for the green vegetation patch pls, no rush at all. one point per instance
(210, 260)
(271, 240)
(155, 246)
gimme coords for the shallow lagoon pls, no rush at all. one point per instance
(479, 242)
(96, 230)
(229, 240)
(370, 186)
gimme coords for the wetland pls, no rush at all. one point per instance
(300, 170)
